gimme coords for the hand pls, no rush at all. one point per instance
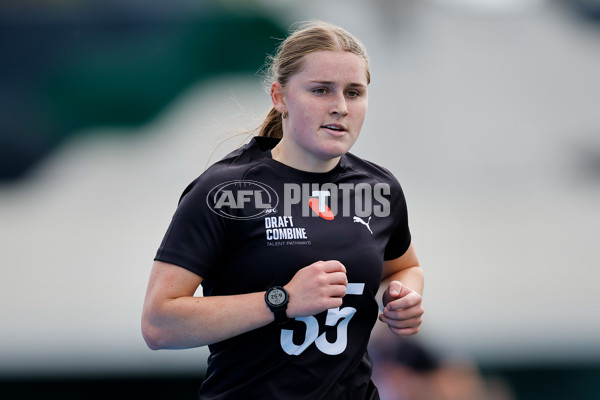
(403, 309)
(316, 288)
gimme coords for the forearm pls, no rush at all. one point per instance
(186, 322)
(173, 319)
(411, 277)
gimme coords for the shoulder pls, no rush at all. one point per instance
(358, 165)
(233, 167)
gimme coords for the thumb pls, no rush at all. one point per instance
(395, 288)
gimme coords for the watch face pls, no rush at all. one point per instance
(276, 297)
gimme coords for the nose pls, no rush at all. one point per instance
(338, 105)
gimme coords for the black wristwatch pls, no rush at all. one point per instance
(277, 299)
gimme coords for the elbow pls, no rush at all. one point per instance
(153, 336)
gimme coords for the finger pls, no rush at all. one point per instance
(402, 324)
(411, 300)
(411, 324)
(333, 302)
(337, 278)
(403, 315)
(333, 266)
(338, 291)
(404, 331)
(395, 288)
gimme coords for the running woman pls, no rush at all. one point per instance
(290, 236)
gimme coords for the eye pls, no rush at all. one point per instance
(320, 90)
(353, 93)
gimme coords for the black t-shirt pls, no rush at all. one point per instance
(249, 223)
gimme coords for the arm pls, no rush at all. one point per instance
(173, 319)
(402, 299)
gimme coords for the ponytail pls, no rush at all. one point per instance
(271, 126)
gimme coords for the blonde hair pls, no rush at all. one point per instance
(307, 38)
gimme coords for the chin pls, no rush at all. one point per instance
(340, 148)
(329, 149)
(334, 153)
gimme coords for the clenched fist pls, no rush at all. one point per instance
(316, 288)
(402, 309)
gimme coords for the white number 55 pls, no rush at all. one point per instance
(312, 328)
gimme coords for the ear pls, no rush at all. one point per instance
(277, 97)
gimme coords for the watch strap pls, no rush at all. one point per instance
(280, 316)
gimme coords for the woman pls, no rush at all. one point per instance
(290, 237)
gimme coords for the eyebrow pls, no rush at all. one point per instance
(329, 83)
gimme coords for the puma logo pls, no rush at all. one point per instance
(360, 220)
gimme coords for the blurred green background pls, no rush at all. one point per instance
(71, 65)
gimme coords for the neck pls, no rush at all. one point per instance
(297, 161)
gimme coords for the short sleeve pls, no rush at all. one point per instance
(196, 236)
(400, 238)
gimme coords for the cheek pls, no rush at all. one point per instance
(360, 112)
(362, 107)
(301, 125)
(308, 117)
(299, 109)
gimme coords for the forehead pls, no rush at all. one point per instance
(334, 66)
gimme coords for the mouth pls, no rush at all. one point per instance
(335, 128)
